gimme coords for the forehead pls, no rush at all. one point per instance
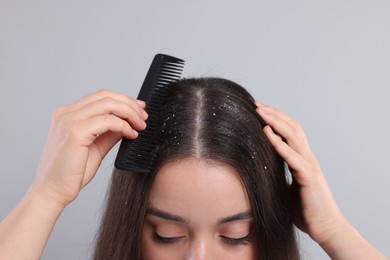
(191, 187)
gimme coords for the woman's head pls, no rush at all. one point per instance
(214, 164)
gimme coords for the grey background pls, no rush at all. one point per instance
(325, 63)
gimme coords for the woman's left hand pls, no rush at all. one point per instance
(319, 214)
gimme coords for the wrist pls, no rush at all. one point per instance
(338, 237)
(347, 243)
(39, 194)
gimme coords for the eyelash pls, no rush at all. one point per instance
(237, 241)
(165, 240)
(230, 241)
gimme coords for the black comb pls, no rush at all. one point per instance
(139, 155)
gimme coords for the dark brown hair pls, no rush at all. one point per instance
(211, 119)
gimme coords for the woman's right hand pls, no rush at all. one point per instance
(80, 136)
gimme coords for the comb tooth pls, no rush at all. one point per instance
(142, 148)
(165, 80)
(173, 59)
(160, 88)
(141, 156)
(140, 162)
(172, 68)
(175, 75)
(155, 103)
(171, 73)
(173, 65)
(145, 149)
(158, 97)
(162, 85)
(162, 78)
(171, 76)
(154, 108)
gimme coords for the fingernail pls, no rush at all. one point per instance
(143, 123)
(269, 129)
(260, 105)
(141, 103)
(144, 114)
(135, 133)
(262, 111)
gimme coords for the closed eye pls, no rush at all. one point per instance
(166, 240)
(237, 241)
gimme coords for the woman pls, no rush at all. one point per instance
(219, 190)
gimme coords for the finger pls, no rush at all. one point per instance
(103, 143)
(287, 128)
(141, 103)
(294, 160)
(100, 125)
(112, 106)
(109, 94)
(282, 116)
(106, 141)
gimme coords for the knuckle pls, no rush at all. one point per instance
(108, 103)
(68, 127)
(58, 113)
(296, 128)
(103, 92)
(74, 132)
(279, 145)
(131, 99)
(108, 118)
(296, 125)
(107, 100)
(292, 122)
(65, 122)
(124, 126)
(115, 123)
(271, 109)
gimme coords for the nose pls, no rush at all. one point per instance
(200, 250)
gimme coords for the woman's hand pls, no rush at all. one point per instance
(80, 135)
(318, 214)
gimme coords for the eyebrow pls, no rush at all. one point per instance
(236, 217)
(165, 215)
(168, 216)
